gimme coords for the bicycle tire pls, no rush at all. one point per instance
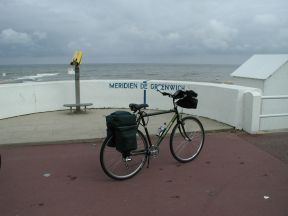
(186, 147)
(116, 166)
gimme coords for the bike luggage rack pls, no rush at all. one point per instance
(76, 61)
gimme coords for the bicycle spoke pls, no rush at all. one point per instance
(119, 168)
(188, 143)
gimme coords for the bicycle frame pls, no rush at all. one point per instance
(142, 115)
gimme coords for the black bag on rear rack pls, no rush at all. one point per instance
(122, 126)
(189, 101)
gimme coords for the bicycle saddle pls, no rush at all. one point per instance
(136, 107)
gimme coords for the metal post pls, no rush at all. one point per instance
(76, 60)
(77, 87)
(144, 86)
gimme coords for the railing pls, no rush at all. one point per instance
(273, 98)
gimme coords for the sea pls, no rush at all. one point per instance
(57, 72)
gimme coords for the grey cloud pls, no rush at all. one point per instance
(142, 29)
(10, 36)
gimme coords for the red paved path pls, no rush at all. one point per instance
(230, 177)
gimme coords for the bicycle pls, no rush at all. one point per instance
(186, 141)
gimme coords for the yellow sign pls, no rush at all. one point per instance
(77, 58)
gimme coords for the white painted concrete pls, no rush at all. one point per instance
(270, 74)
(222, 102)
(251, 110)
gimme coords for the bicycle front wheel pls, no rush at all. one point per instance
(120, 167)
(187, 139)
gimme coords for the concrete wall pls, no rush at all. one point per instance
(221, 102)
(270, 110)
(274, 123)
(251, 111)
(21, 99)
(224, 103)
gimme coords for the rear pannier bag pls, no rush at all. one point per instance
(110, 131)
(122, 126)
(189, 101)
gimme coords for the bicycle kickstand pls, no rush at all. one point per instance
(148, 162)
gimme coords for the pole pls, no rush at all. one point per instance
(77, 87)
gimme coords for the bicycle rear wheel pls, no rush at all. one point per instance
(119, 167)
(187, 139)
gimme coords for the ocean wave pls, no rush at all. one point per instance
(37, 76)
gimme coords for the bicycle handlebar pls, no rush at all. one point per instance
(166, 94)
(179, 94)
(175, 95)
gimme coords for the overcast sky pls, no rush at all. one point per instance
(112, 31)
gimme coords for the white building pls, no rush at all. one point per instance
(270, 74)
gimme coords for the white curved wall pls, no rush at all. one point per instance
(221, 102)
(224, 103)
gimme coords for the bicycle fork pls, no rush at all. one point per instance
(183, 132)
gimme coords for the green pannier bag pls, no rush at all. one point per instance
(110, 131)
(122, 126)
